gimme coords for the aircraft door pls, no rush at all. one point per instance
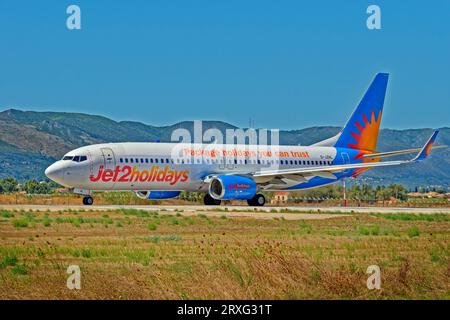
(109, 162)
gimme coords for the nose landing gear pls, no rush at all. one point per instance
(88, 200)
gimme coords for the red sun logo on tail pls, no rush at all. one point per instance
(366, 138)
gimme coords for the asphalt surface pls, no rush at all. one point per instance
(289, 213)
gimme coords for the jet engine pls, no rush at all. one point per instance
(231, 187)
(156, 195)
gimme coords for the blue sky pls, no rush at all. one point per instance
(286, 64)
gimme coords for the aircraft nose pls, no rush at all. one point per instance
(55, 172)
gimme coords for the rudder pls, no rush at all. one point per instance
(361, 130)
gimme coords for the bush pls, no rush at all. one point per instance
(6, 214)
(20, 223)
(86, 253)
(152, 226)
(413, 232)
(46, 222)
(8, 261)
(20, 269)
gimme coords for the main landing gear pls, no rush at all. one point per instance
(257, 201)
(88, 200)
(210, 201)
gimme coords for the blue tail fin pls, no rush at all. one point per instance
(361, 130)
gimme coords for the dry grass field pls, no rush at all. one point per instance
(133, 254)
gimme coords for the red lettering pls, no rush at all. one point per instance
(126, 171)
(107, 175)
(99, 174)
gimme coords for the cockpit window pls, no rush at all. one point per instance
(75, 158)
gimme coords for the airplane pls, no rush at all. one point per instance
(152, 172)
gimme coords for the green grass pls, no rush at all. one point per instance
(20, 223)
(413, 232)
(8, 261)
(46, 222)
(86, 253)
(20, 269)
(369, 231)
(152, 226)
(137, 213)
(434, 217)
(6, 214)
(140, 256)
(157, 239)
(305, 227)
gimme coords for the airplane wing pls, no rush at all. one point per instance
(287, 176)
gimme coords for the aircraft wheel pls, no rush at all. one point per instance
(88, 200)
(257, 201)
(210, 201)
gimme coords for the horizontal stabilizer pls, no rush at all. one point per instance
(327, 171)
(395, 153)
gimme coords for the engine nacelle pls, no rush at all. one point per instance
(156, 195)
(232, 187)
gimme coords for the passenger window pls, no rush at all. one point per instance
(292, 162)
(121, 160)
(151, 160)
(142, 160)
(131, 160)
(156, 160)
(146, 160)
(162, 160)
(167, 160)
(137, 160)
(126, 160)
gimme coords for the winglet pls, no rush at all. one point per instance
(425, 151)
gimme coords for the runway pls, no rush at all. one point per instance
(288, 213)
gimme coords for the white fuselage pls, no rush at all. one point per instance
(138, 166)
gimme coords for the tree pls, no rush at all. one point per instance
(35, 187)
(8, 185)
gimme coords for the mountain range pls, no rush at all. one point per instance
(30, 141)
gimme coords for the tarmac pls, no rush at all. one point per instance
(288, 213)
